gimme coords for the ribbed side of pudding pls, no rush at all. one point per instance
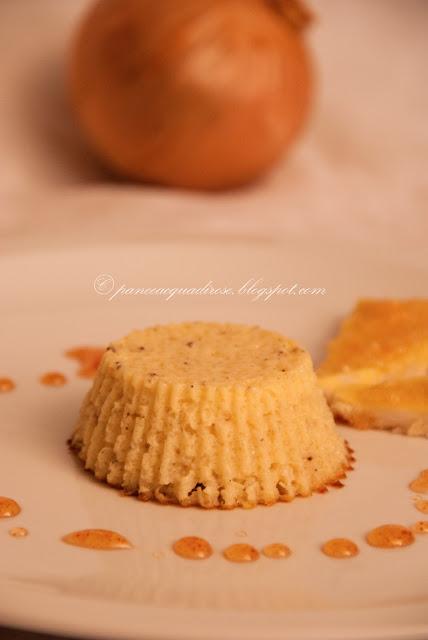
(242, 422)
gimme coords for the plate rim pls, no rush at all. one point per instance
(163, 623)
(166, 623)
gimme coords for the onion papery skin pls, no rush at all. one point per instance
(203, 94)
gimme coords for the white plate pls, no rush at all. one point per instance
(48, 305)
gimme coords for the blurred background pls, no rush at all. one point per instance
(359, 167)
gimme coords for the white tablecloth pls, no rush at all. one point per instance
(360, 169)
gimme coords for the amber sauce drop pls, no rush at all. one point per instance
(420, 484)
(88, 358)
(192, 548)
(422, 505)
(9, 508)
(53, 379)
(6, 385)
(18, 532)
(420, 527)
(390, 536)
(101, 539)
(241, 553)
(340, 548)
(276, 550)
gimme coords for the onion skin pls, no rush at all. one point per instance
(204, 94)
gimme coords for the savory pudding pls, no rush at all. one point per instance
(375, 373)
(219, 415)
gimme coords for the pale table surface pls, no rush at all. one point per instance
(359, 168)
(16, 634)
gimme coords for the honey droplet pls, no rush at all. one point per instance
(276, 550)
(101, 539)
(9, 508)
(421, 505)
(241, 553)
(18, 532)
(53, 379)
(420, 484)
(340, 548)
(192, 548)
(6, 385)
(88, 358)
(420, 527)
(389, 536)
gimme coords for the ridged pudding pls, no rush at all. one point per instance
(218, 415)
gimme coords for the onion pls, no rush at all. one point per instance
(204, 94)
